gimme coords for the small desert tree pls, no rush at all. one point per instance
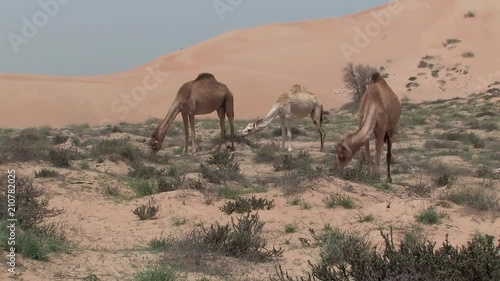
(357, 77)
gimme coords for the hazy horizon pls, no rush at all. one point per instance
(73, 38)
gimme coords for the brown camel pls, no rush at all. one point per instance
(294, 104)
(378, 113)
(201, 96)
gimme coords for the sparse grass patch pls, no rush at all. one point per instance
(443, 180)
(290, 227)
(468, 54)
(146, 211)
(451, 41)
(334, 200)
(241, 238)
(305, 206)
(61, 158)
(84, 165)
(421, 188)
(348, 256)
(59, 139)
(230, 192)
(422, 64)
(295, 201)
(158, 244)
(221, 167)
(178, 220)
(430, 216)
(357, 173)
(433, 144)
(469, 14)
(485, 172)
(265, 153)
(117, 149)
(35, 238)
(476, 198)
(466, 138)
(46, 173)
(170, 181)
(365, 218)
(157, 273)
(144, 187)
(112, 191)
(244, 205)
(36, 242)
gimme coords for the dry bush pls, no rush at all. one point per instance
(221, 167)
(348, 256)
(244, 205)
(357, 78)
(146, 211)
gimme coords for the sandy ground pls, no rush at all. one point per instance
(110, 242)
(258, 64)
(262, 62)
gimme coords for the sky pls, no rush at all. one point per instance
(92, 37)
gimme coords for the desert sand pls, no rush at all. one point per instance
(260, 63)
(109, 242)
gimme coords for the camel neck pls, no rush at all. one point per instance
(364, 132)
(269, 117)
(161, 130)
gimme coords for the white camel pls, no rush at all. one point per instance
(296, 103)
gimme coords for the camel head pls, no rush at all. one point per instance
(155, 144)
(343, 154)
(251, 127)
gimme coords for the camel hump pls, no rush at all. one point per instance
(297, 88)
(205, 75)
(376, 77)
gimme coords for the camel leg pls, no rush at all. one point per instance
(222, 120)
(288, 124)
(316, 118)
(230, 118)
(389, 157)
(367, 152)
(193, 134)
(283, 133)
(186, 131)
(379, 143)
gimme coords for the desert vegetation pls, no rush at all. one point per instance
(218, 215)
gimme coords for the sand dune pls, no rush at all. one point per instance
(260, 63)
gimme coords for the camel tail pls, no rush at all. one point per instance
(376, 77)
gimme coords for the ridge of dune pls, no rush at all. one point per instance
(261, 62)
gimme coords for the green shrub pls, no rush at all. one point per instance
(347, 256)
(146, 211)
(46, 173)
(430, 216)
(241, 239)
(221, 167)
(245, 205)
